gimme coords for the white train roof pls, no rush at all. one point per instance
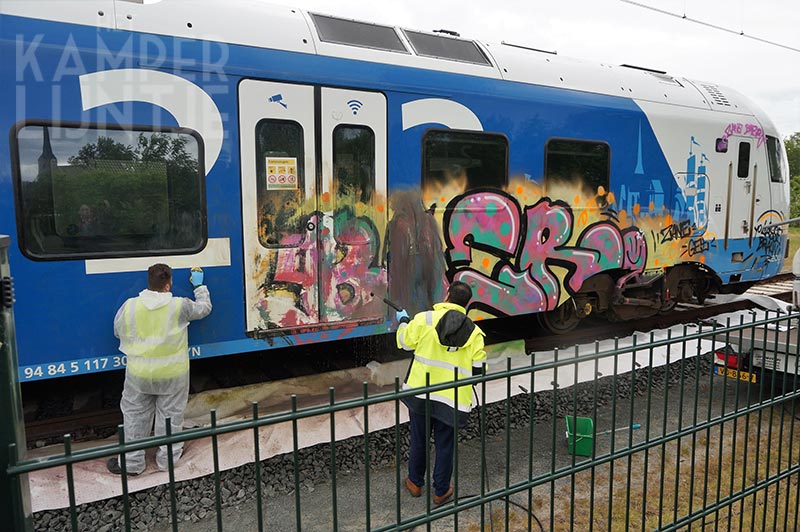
(258, 24)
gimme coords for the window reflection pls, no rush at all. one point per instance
(353, 163)
(94, 192)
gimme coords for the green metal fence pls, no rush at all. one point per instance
(678, 446)
(15, 509)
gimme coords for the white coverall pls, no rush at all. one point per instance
(153, 333)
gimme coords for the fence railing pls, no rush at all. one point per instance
(15, 510)
(662, 441)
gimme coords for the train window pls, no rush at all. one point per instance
(456, 161)
(353, 164)
(775, 159)
(283, 214)
(577, 162)
(442, 47)
(743, 168)
(722, 145)
(89, 191)
(363, 34)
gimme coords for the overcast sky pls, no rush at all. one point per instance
(615, 32)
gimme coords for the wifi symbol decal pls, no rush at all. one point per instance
(355, 106)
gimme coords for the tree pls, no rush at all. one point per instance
(792, 144)
(106, 149)
(144, 189)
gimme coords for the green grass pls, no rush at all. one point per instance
(794, 244)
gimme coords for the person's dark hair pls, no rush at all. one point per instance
(158, 276)
(459, 293)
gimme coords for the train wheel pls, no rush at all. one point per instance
(561, 320)
(668, 306)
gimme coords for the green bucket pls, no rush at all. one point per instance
(580, 435)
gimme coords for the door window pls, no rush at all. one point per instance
(743, 167)
(353, 164)
(280, 184)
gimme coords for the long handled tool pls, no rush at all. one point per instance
(632, 427)
(389, 302)
(392, 304)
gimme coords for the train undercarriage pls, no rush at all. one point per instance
(617, 296)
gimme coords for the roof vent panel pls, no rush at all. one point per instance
(442, 47)
(715, 95)
(361, 34)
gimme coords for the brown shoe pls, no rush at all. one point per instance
(412, 488)
(443, 499)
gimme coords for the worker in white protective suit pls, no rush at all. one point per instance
(153, 332)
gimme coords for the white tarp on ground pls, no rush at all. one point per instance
(768, 308)
(93, 482)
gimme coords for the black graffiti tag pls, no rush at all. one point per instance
(676, 231)
(698, 245)
(769, 240)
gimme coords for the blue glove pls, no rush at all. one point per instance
(196, 277)
(402, 316)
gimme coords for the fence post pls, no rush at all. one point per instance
(13, 490)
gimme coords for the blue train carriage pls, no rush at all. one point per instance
(314, 165)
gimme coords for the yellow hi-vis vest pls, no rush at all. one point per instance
(441, 362)
(155, 341)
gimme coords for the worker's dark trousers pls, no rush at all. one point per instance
(443, 435)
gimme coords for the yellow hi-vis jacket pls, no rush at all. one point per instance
(153, 332)
(424, 335)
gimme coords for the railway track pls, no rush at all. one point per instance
(102, 422)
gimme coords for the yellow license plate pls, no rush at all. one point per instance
(735, 374)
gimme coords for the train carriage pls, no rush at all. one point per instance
(315, 165)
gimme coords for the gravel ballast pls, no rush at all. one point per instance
(196, 499)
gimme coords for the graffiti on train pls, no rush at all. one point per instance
(746, 130)
(327, 273)
(769, 247)
(529, 249)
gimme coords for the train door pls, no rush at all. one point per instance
(353, 204)
(306, 153)
(743, 195)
